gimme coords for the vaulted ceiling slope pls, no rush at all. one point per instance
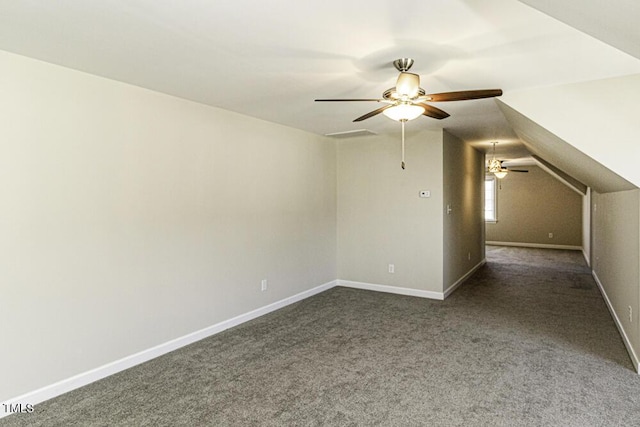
(588, 129)
(615, 22)
(596, 118)
(557, 152)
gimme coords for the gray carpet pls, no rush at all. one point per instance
(527, 341)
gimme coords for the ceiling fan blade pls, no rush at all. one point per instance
(431, 111)
(372, 113)
(349, 100)
(518, 170)
(464, 95)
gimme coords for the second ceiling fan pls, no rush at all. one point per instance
(497, 168)
(407, 100)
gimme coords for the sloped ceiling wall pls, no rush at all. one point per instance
(573, 125)
(561, 176)
(542, 143)
(586, 129)
(615, 22)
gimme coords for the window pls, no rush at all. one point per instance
(490, 199)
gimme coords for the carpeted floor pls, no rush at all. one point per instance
(527, 341)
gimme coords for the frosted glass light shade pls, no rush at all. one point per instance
(408, 84)
(404, 112)
(501, 174)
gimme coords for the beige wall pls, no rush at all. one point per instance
(532, 205)
(382, 220)
(616, 255)
(130, 218)
(464, 224)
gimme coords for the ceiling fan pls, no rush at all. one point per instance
(496, 167)
(407, 100)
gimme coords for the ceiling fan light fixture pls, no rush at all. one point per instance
(404, 112)
(501, 173)
(408, 84)
(494, 165)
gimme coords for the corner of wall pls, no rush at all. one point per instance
(463, 222)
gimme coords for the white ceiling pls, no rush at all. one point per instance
(270, 60)
(615, 21)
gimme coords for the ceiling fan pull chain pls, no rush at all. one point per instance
(402, 164)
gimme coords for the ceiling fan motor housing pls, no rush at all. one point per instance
(403, 64)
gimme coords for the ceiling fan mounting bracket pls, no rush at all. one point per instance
(403, 64)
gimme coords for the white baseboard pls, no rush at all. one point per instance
(586, 258)
(392, 289)
(77, 381)
(535, 245)
(463, 279)
(616, 319)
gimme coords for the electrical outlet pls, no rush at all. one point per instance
(263, 285)
(551, 235)
(630, 314)
(392, 268)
